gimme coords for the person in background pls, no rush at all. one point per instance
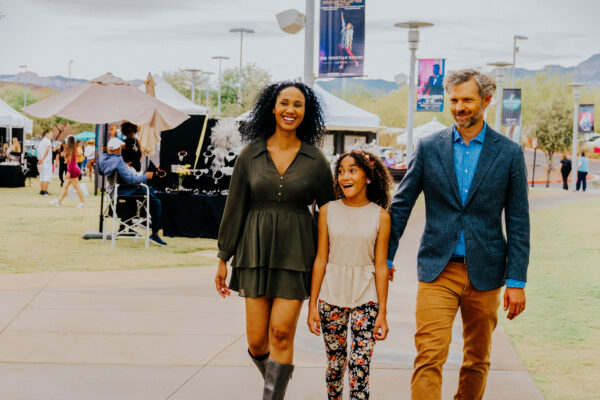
(90, 155)
(390, 161)
(132, 155)
(112, 131)
(582, 171)
(565, 170)
(73, 173)
(60, 162)
(44, 155)
(111, 162)
(80, 158)
(15, 149)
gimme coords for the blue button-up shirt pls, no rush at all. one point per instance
(465, 163)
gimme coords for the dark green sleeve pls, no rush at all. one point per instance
(236, 209)
(324, 192)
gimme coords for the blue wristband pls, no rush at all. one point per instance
(390, 264)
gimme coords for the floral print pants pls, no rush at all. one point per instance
(334, 325)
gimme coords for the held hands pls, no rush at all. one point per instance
(514, 301)
(381, 327)
(313, 321)
(220, 279)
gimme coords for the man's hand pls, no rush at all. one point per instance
(149, 175)
(514, 301)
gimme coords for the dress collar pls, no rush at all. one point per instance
(260, 146)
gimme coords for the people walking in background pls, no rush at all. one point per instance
(267, 226)
(44, 156)
(132, 154)
(565, 170)
(60, 162)
(582, 171)
(73, 173)
(80, 158)
(471, 176)
(350, 274)
(90, 156)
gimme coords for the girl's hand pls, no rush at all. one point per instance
(381, 328)
(314, 322)
(220, 279)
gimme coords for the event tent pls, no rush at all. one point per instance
(11, 118)
(423, 130)
(167, 94)
(343, 116)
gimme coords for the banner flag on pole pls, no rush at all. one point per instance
(586, 118)
(342, 38)
(430, 88)
(511, 107)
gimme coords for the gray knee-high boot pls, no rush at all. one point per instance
(260, 362)
(276, 380)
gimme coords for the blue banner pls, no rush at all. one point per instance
(511, 107)
(342, 38)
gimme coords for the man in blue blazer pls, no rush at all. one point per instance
(469, 174)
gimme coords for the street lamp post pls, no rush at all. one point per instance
(515, 51)
(24, 66)
(69, 84)
(499, 78)
(241, 32)
(193, 71)
(413, 44)
(207, 74)
(576, 92)
(220, 58)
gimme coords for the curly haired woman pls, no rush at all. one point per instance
(267, 226)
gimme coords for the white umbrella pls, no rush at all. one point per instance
(107, 99)
(149, 135)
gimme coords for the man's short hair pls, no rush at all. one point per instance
(485, 83)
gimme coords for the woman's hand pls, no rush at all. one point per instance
(381, 327)
(220, 279)
(314, 322)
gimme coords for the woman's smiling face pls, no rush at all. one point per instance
(289, 108)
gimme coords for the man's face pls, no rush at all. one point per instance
(466, 105)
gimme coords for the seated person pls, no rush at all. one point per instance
(132, 155)
(111, 162)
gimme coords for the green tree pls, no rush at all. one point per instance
(552, 124)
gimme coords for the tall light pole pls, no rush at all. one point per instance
(70, 62)
(515, 51)
(207, 75)
(413, 45)
(241, 32)
(24, 66)
(193, 71)
(220, 58)
(500, 65)
(576, 92)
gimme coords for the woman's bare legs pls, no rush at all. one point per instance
(63, 193)
(75, 184)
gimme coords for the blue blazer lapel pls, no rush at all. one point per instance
(446, 153)
(486, 158)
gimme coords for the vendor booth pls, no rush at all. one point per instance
(12, 125)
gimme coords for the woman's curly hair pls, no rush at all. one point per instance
(378, 191)
(261, 123)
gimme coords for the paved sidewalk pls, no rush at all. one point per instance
(166, 334)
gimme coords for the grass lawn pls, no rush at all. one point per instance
(38, 237)
(558, 336)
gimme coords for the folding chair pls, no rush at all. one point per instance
(130, 213)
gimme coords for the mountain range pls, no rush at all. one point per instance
(586, 72)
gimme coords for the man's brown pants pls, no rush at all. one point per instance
(437, 304)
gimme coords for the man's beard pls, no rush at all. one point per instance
(471, 121)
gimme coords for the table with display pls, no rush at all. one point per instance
(185, 214)
(11, 175)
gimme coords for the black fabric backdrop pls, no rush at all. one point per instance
(191, 215)
(11, 176)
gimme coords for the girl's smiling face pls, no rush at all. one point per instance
(351, 178)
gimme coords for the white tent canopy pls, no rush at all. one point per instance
(11, 118)
(340, 115)
(427, 129)
(167, 94)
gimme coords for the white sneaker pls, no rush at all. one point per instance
(55, 203)
(81, 205)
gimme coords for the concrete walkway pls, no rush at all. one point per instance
(166, 334)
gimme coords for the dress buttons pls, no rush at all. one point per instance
(281, 177)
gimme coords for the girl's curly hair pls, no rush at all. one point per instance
(378, 191)
(261, 123)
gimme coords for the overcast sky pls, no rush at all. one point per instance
(132, 37)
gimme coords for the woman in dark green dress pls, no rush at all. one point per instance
(267, 227)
